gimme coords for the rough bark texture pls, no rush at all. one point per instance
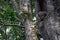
(49, 19)
(30, 31)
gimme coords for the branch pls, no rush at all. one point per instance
(10, 25)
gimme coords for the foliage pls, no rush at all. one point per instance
(8, 16)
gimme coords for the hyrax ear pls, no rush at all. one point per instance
(42, 13)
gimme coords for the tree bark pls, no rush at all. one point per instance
(30, 30)
(49, 24)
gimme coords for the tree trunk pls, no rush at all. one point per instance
(48, 20)
(30, 31)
